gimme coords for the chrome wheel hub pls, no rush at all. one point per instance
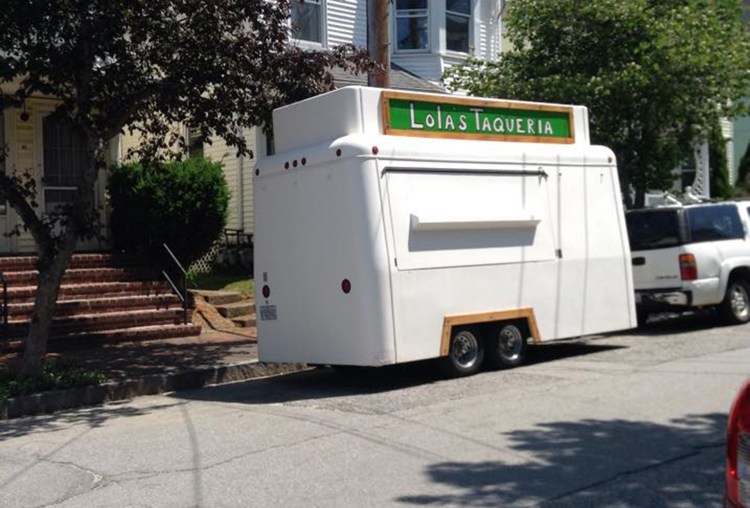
(740, 302)
(510, 342)
(465, 349)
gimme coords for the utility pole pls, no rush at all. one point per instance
(378, 42)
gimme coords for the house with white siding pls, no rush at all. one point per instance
(49, 150)
(427, 37)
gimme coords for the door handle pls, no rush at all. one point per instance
(639, 261)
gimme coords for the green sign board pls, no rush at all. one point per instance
(457, 117)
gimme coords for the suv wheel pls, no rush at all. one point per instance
(735, 309)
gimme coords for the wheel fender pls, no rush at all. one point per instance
(729, 266)
(525, 314)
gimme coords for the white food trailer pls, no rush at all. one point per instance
(393, 227)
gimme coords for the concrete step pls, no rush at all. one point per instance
(217, 298)
(103, 321)
(134, 334)
(247, 321)
(96, 304)
(26, 278)
(94, 289)
(236, 309)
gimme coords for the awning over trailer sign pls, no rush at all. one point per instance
(407, 114)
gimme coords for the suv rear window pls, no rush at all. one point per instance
(710, 223)
(653, 229)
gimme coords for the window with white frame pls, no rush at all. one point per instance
(457, 25)
(194, 142)
(65, 157)
(412, 25)
(307, 17)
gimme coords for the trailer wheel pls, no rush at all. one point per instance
(507, 346)
(735, 309)
(466, 353)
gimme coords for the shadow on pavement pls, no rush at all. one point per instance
(568, 349)
(88, 417)
(318, 383)
(672, 323)
(324, 382)
(133, 360)
(593, 463)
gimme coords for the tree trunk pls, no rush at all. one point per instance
(51, 269)
(54, 258)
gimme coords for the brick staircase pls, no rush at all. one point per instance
(100, 300)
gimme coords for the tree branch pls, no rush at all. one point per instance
(16, 197)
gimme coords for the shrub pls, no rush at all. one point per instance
(181, 203)
(57, 374)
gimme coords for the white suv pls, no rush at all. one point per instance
(692, 256)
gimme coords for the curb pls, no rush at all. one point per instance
(57, 400)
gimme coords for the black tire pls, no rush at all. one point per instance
(641, 315)
(466, 353)
(506, 346)
(735, 309)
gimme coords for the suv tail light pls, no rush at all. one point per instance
(738, 451)
(688, 268)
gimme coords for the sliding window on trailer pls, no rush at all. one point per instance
(447, 217)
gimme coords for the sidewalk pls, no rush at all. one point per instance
(132, 360)
(221, 354)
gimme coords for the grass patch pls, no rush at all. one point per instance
(241, 282)
(57, 374)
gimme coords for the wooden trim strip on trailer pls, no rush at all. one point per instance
(390, 129)
(480, 137)
(449, 322)
(473, 101)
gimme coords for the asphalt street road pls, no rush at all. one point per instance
(635, 419)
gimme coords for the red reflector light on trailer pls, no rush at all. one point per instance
(266, 291)
(688, 268)
(738, 451)
(346, 286)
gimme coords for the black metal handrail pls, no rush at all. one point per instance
(4, 325)
(182, 295)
